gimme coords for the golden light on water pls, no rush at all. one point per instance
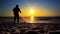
(31, 19)
(28, 19)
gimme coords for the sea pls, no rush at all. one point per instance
(32, 19)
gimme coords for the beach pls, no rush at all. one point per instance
(8, 26)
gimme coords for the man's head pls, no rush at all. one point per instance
(17, 5)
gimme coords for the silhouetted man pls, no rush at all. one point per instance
(16, 13)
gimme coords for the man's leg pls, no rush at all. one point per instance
(14, 18)
(18, 18)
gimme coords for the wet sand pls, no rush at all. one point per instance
(23, 27)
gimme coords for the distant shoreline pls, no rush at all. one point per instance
(34, 16)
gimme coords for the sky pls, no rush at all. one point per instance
(31, 7)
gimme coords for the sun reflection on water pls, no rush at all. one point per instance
(28, 19)
(31, 19)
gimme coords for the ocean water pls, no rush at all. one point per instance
(32, 19)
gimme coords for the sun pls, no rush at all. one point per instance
(31, 11)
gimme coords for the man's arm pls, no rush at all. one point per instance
(19, 10)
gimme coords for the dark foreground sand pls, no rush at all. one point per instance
(26, 28)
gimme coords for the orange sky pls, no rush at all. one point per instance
(31, 7)
(37, 11)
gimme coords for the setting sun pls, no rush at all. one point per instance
(36, 11)
(32, 11)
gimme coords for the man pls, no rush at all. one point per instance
(16, 11)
